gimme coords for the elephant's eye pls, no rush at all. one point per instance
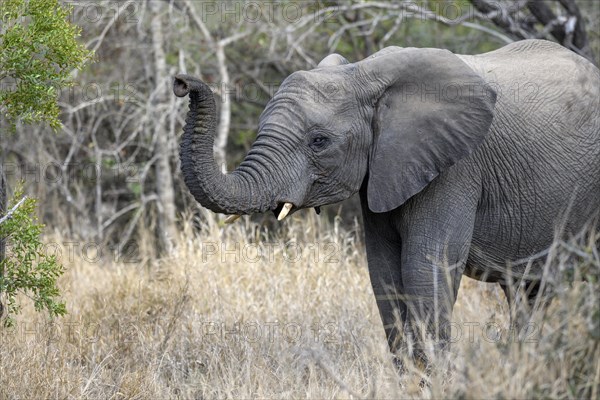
(319, 142)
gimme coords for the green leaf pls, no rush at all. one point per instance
(26, 269)
(38, 51)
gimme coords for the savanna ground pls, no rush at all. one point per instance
(240, 312)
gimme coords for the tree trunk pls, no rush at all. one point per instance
(164, 178)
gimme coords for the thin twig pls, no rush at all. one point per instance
(12, 210)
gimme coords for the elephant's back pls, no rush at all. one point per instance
(547, 107)
(539, 75)
(541, 160)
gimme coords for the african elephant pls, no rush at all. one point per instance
(465, 164)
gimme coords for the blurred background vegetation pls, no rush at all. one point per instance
(111, 172)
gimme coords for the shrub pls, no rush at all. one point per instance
(26, 268)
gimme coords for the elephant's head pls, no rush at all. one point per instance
(398, 118)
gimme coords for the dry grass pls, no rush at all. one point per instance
(297, 321)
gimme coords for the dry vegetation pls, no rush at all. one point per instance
(283, 320)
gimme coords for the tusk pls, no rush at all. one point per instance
(232, 218)
(285, 211)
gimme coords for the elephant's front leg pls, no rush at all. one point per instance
(384, 270)
(436, 227)
(383, 254)
(431, 275)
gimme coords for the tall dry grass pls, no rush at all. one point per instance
(286, 314)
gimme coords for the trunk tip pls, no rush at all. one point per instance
(181, 85)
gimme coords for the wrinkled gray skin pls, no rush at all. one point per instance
(464, 164)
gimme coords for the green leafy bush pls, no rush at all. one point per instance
(38, 51)
(26, 268)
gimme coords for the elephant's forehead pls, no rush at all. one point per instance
(305, 99)
(283, 114)
(315, 88)
(283, 108)
(298, 114)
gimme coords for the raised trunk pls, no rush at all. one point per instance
(236, 193)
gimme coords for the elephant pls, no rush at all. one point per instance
(465, 165)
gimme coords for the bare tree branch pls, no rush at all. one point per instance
(164, 179)
(579, 38)
(546, 17)
(10, 212)
(568, 29)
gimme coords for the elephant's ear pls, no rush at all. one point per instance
(431, 110)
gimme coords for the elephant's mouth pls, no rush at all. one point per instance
(284, 209)
(292, 209)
